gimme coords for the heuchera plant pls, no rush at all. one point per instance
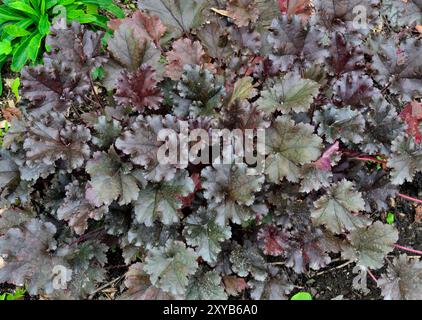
(339, 101)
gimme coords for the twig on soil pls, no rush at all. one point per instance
(95, 93)
(112, 282)
(85, 236)
(332, 269)
(299, 287)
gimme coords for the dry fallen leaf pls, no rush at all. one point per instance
(221, 12)
(110, 292)
(419, 28)
(418, 214)
(234, 285)
(11, 112)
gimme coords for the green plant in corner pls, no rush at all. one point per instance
(302, 296)
(25, 23)
(17, 295)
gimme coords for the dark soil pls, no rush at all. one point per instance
(339, 283)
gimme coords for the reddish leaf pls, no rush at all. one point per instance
(243, 12)
(187, 201)
(150, 26)
(412, 115)
(139, 89)
(291, 7)
(184, 52)
(273, 240)
(234, 285)
(324, 163)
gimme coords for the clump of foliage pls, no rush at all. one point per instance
(79, 173)
(24, 25)
(18, 294)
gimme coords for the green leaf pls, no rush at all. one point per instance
(5, 47)
(1, 79)
(248, 260)
(107, 5)
(100, 22)
(17, 295)
(406, 159)
(106, 132)
(43, 7)
(66, 2)
(91, 9)
(98, 73)
(23, 7)
(290, 145)
(162, 201)
(44, 25)
(170, 266)
(202, 231)
(35, 4)
(336, 209)
(114, 9)
(15, 31)
(50, 3)
(9, 15)
(302, 296)
(291, 93)
(34, 47)
(243, 90)
(390, 218)
(343, 123)
(370, 245)
(80, 16)
(20, 56)
(231, 192)
(110, 180)
(15, 87)
(202, 89)
(205, 286)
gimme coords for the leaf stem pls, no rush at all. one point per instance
(370, 159)
(407, 249)
(409, 198)
(95, 93)
(86, 236)
(372, 276)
